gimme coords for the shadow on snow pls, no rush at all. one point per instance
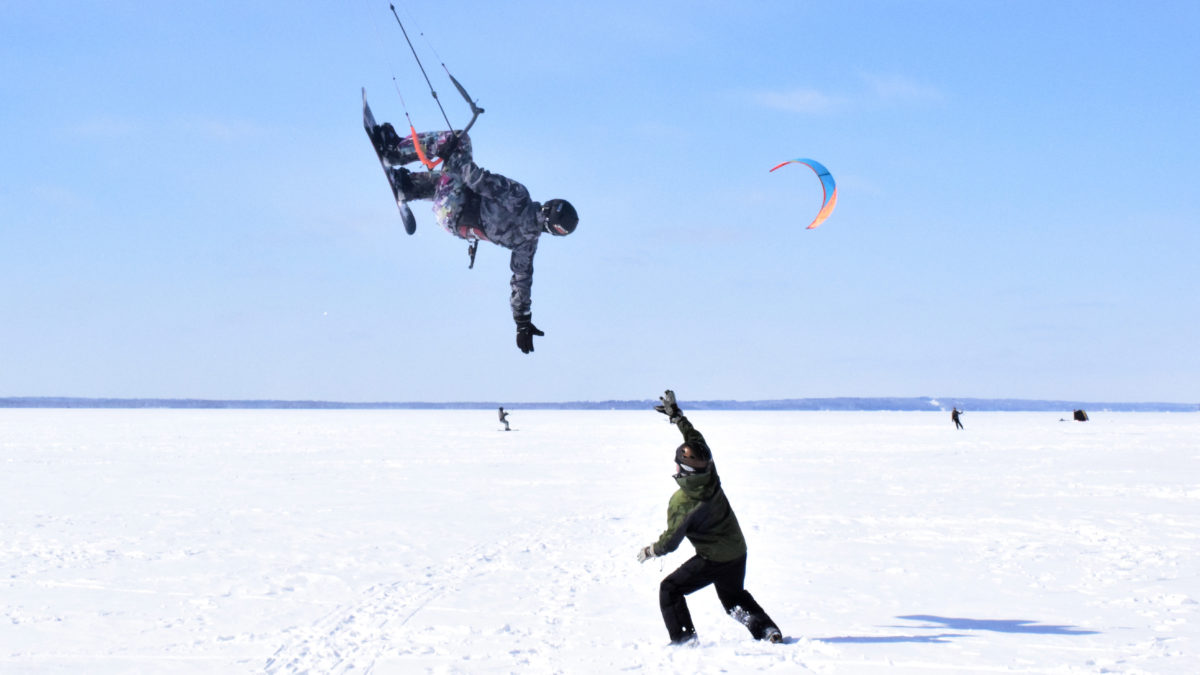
(996, 625)
(959, 624)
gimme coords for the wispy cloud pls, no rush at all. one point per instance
(800, 100)
(220, 129)
(873, 91)
(900, 89)
(214, 129)
(105, 127)
(56, 194)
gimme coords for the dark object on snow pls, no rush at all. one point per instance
(504, 418)
(954, 417)
(1081, 416)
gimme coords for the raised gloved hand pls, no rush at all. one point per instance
(525, 332)
(645, 554)
(669, 407)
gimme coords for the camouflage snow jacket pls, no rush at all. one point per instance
(700, 511)
(474, 203)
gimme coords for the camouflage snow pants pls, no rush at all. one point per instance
(454, 206)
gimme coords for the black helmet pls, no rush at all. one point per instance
(559, 217)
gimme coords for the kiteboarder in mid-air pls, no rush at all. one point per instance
(468, 202)
(477, 205)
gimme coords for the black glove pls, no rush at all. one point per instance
(447, 149)
(525, 332)
(669, 407)
(454, 156)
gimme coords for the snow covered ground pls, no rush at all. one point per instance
(410, 541)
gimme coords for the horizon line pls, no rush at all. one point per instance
(828, 403)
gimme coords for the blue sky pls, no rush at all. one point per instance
(189, 206)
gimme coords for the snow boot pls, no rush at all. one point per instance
(387, 142)
(687, 639)
(413, 185)
(402, 177)
(756, 621)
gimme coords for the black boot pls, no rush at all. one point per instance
(756, 620)
(686, 638)
(385, 135)
(402, 178)
(387, 141)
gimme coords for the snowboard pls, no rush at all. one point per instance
(406, 214)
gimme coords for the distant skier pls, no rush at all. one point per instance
(504, 418)
(474, 204)
(700, 511)
(954, 416)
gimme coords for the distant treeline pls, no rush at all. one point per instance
(850, 403)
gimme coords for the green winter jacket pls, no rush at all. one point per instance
(700, 511)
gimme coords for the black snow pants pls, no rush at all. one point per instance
(729, 579)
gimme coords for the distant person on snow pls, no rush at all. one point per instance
(954, 416)
(474, 204)
(504, 418)
(700, 512)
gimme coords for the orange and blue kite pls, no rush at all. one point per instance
(829, 198)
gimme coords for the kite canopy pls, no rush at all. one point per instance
(829, 199)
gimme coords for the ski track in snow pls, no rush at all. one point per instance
(380, 626)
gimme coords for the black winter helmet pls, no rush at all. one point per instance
(559, 217)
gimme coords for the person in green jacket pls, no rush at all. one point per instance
(700, 511)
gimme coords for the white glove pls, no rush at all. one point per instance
(645, 554)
